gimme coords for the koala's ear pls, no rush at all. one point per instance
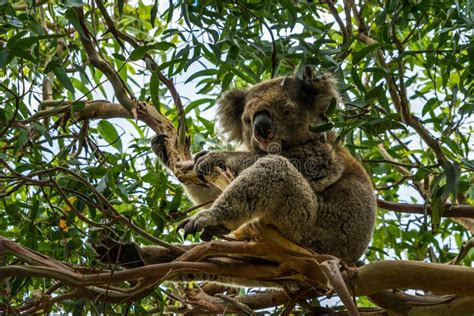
(307, 74)
(328, 96)
(229, 112)
(319, 89)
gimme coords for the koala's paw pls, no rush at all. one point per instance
(205, 162)
(203, 222)
(159, 148)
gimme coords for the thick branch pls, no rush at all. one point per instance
(286, 266)
(260, 273)
(434, 277)
(28, 255)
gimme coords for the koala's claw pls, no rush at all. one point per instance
(159, 147)
(211, 231)
(200, 154)
(202, 222)
(191, 226)
(187, 229)
(200, 173)
(205, 163)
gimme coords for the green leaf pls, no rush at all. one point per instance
(12, 41)
(245, 76)
(62, 76)
(452, 171)
(27, 42)
(20, 52)
(174, 206)
(164, 46)
(437, 209)
(22, 137)
(139, 52)
(120, 4)
(185, 13)
(119, 56)
(153, 13)
(201, 73)
(356, 80)
(109, 133)
(152, 178)
(197, 103)
(321, 128)
(332, 107)
(429, 106)
(72, 16)
(3, 117)
(232, 54)
(227, 80)
(357, 57)
(3, 57)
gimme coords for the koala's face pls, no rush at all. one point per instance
(277, 113)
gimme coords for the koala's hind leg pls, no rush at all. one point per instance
(271, 190)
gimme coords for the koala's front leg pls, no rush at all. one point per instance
(206, 163)
(271, 190)
(199, 193)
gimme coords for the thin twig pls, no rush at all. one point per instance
(392, 162)
(396, 184)
(463, 251)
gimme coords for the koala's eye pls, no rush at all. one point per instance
(247, 120)
(286, 112)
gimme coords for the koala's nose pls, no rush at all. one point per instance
(263, 127)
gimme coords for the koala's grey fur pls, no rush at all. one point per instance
(302, 183)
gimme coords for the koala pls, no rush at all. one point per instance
(301, 182)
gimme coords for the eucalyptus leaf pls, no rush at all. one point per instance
(109, 133)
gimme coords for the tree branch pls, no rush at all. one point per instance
(450, 211)
(366, 280)
(182, 144)
(433, 277)
(402, 105)
(120, 88)
(335, 14)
